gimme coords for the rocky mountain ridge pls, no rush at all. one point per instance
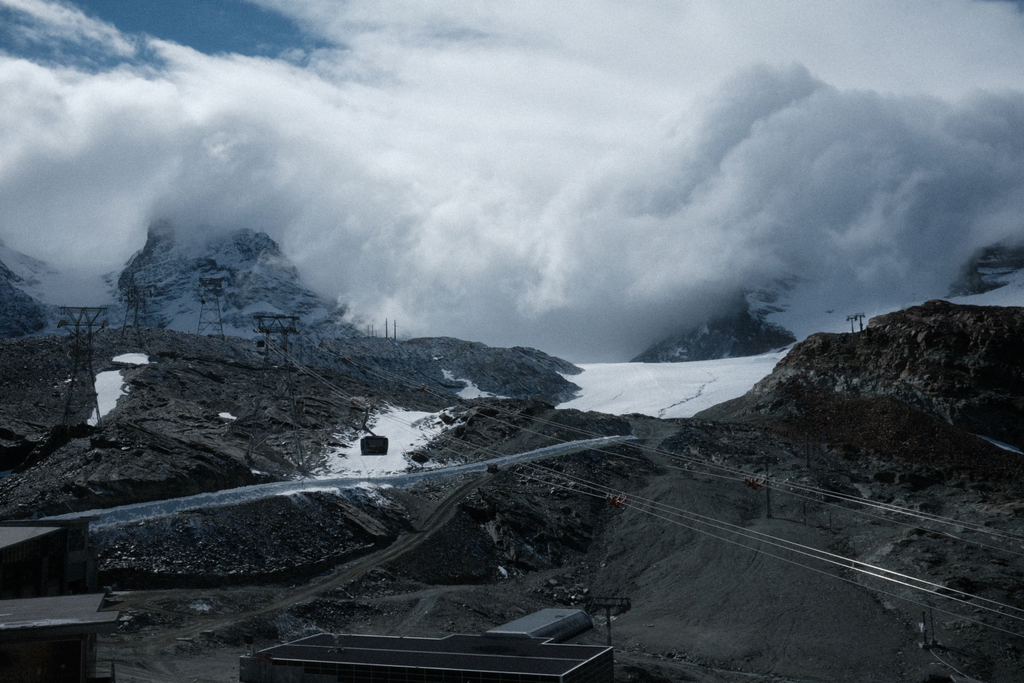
(252, 276)
(960, 364)
(470, 369)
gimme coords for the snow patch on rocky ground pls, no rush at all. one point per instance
(110, 384)
(406, 430)
(132, 359)
(109, 388)
(471, 390)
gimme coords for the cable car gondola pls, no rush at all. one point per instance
(373, 445)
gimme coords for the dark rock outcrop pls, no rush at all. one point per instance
(962, 365)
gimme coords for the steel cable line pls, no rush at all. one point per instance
(800, 548)
(783, 487)
(739, 472)
(858, 566)
(911, 525)
(841, 564)
(733, 471)
(889, 507)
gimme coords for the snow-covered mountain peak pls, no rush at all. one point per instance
(249, 273)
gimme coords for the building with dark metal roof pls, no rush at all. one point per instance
(46, 558)
(52, 639)
(487, 658)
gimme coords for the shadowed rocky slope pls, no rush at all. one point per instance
(962, 366)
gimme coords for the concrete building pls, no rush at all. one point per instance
(509, 654)
(46, 558)
(53, 640)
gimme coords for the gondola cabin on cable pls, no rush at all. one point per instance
(373, 445)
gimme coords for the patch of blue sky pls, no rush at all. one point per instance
(27, 36)
(208, 26)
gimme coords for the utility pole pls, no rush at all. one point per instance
(84, 320)
(283, 325)
(209, 309)
(618, 605)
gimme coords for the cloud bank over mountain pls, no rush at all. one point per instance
(580, 177)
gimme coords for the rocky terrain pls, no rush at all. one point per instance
(453, 365)
(752, 541)
(959, 365)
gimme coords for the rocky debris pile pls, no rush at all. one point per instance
(270, 540)
(453, 365)
(961, 365)
(530, 517)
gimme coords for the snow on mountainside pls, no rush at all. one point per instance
(255, 278)
(672, 390)
(160, 287)
(20, 314)
(667, 390)
(990, 268)
(769, 316)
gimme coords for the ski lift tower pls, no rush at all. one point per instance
(84, 321)
(269, 324)
(209, 311)
(609, 605)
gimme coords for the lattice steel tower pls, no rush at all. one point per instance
(134, 298)
(84, 322)
(210, 289)
(281, 325)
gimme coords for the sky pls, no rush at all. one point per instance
(583, 178)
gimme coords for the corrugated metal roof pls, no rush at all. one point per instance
(557, 624)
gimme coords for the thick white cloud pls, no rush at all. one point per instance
(574, 176)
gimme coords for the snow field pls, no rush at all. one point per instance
(667, 390)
